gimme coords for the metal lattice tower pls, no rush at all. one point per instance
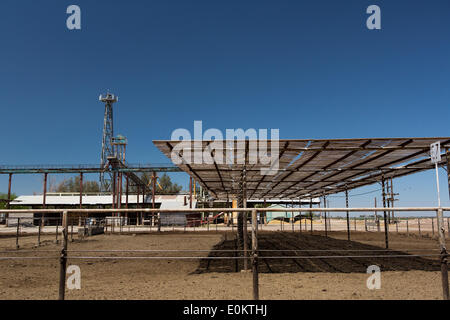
(106, 178)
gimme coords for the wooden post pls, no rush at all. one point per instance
(444, 267)
(448, 225)
(17, 233)
(300, 220)
(348, 215)
(396, 224)
(56, 232)
(63, 259)
(407, 227)
(418, 222)
(255, 255)
(39, 232)
(432, 226)
(354, 223)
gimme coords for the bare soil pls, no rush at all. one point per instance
(291, 278)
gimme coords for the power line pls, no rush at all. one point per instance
(355, 195)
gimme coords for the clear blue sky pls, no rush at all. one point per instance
(310, 68)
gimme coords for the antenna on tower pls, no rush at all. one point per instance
(106, 178)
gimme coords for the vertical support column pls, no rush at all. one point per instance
(245, 240)
(325, 215)
(18, 234)
(9, 197)
(377, 221)
(292, 215)
(392, 200)
(153, 196)
(418, 223)
(244, 202)
(143, 205)
(447, 155)
(300, 215)
(432, 226)
(119, 191)
(444, 267)
(44, 197)
(127, 181)
(81, 197)
(39, 232)
(137, 203)
(190, 192)
(63, 259)
(386, 224)
(153, 193)
(264, 214)
(255, 255)
(81, 190)
(113, 191)
(348, 216)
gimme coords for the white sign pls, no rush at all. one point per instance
(435, 152)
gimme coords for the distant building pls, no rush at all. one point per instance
(103, 201)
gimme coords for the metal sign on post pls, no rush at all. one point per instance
(435, 153)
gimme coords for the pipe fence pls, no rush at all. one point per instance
(244, 254)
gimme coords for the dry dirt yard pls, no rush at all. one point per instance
(194, 279)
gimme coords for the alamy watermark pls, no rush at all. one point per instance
(74, 279)
(73, 21)
(374, 281)
(262, 150)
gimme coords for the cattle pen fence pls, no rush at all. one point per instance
(251, 254)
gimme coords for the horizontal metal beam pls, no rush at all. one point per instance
(364, 209)
(79, 169)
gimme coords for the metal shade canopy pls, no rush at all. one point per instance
(308, 168)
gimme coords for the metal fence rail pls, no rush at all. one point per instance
(254, 256)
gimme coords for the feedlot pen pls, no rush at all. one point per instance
(209, 265)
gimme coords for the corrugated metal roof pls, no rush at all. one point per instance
(305, 168)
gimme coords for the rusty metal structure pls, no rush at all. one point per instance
(307, 168)
(106, 178)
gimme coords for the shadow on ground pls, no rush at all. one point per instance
(307, 244)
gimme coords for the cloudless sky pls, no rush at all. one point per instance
(309, 68)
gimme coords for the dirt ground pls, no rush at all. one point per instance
(403, 278)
